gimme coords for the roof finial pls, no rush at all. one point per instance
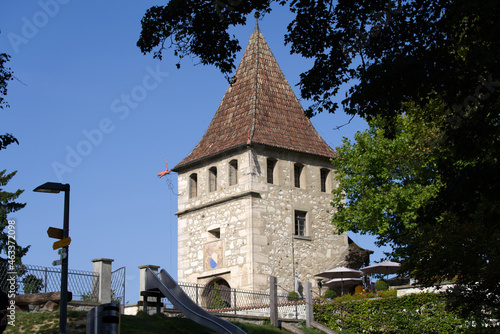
(256, 15)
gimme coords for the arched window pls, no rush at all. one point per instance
(233, 172)
(212, 179)
(193, 185)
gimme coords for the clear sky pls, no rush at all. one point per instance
(90, 110)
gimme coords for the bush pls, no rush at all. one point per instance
(381, 285)
(216, 300)
(292, 296)
(330, 294)
(412, 314)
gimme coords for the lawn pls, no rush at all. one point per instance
(48, 323)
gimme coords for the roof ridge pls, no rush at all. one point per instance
(256, 84)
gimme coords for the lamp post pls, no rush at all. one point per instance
(55, 188)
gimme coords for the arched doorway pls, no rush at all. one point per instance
(217, 294)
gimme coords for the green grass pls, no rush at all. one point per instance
(48, 323)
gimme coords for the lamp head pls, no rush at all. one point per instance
(52, 187)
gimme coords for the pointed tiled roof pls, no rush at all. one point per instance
(259, 107)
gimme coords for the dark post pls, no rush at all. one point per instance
(55, 188)
(234, 292)
(64, 266)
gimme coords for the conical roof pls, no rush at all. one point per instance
(259, 107)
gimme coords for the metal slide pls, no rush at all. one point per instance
(169, 288)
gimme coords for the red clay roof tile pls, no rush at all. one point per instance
(259, 107)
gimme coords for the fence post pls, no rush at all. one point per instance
(142, 283)
(234, 291)
(309, 305)
(273, 302)
(102, 267)
(197, 302)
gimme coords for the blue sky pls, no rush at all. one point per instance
(90, 110)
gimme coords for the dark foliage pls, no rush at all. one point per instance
(397, 53)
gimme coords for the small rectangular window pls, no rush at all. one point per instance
(300, 223)
(215, 233)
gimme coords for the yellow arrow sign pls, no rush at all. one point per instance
(55, 233)
(61, 243)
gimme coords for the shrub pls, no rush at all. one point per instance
(381, 285)
(330, 294)
(216, 300)
(292, 296)
(32, 284)
(388, 293)
(412, 314)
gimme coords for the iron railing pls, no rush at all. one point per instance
(36, 279)
(118, 286)
(221, 299)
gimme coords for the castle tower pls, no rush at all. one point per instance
(255, 192)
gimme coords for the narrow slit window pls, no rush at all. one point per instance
(233, 172)
(297, 173)
(271, 164)
(212, 179)
(323, 176)
(193, 185)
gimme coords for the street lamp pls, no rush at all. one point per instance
(55, 188)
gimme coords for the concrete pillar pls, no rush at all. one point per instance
(142, 284)
(273, 303)
(102, 267)
(309, 304)
(142, 275)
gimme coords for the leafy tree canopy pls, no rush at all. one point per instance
(382, 181)
(5, 77)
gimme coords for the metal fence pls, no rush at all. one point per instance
(221, 299)
(84, 285)
(118, 286)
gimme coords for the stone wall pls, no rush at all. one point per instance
(245, 232)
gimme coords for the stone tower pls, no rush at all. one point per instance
(255, 192)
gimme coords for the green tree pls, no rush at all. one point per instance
(32, 284)
(401, 58)
(8, 205)
(383, 182)
(8, 243)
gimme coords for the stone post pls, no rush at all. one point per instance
(142, 283)
(102, 267)
(309, 304)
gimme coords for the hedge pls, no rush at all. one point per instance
(416, 313)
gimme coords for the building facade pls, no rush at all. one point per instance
(254, 194)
